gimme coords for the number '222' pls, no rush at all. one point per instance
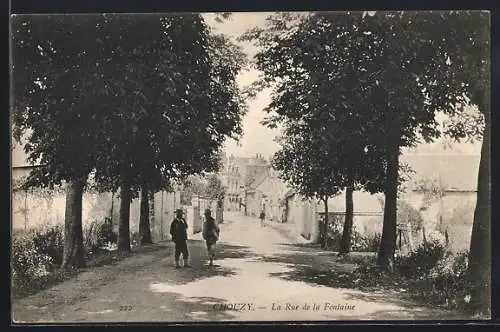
(125, 308)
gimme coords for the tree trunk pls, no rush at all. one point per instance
(345, 244)
(152, 212)
(161, 218)
(124, 220)
(388, 241)
(324, 243)
(480, 246)
(220, 211)
(144, 226)
(73, 251)
(246, 203)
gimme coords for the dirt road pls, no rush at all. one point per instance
(258, 275)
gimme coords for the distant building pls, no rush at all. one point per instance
(237, 175)
(265, 194)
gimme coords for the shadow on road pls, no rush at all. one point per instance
(225, 251)
(167, 274)
(309, 266)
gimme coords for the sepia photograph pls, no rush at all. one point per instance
(250, 167)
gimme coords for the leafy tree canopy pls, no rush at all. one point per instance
(146, 98)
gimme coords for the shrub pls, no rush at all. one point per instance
(334, 235)
(135, 238)
(368, 243)
(447, 283)
(333, 240)
(450, 280)
(50, 241)
(28, 265)
(98, 234)
(406, 213)
(105, 233)
(359, 242)
(420, 262)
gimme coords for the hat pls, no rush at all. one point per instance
(207, 211)
(179, 211)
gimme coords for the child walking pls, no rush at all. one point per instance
(210, 235)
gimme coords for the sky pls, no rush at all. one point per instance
(256, 138)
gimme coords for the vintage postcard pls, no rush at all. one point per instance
(252, 167)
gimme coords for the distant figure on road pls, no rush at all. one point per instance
(262, 217)
(210, 234)
(178, 230)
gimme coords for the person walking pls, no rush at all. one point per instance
(262, 218)
(210, 234)
(178, 230)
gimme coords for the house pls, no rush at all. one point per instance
(47, 207)
(238, 173)
(265, 194)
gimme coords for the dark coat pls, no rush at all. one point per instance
(178, 230)
(210, 230)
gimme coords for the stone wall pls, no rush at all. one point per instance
(43, 207)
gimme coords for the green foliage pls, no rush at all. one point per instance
(99, 234)
(135, 238)
(34, 255)
(359, 242)
(431, 188)
(49, 241)
(406, 213)
(447, 283)
(126, 82)
(221, 17)
(444, 283)
(420, 262)
(365, 243)
(306, 169)
(192, 185)
(324, 145)
(214, 189)
(466, 125)
(28, 264)
(366, 66)
(381, 78)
